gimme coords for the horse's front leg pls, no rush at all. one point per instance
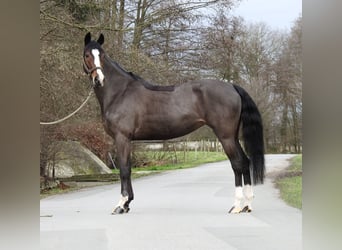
(123, 147)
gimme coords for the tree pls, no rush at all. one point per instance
(221, 41)
(288, 88)
(267, 63)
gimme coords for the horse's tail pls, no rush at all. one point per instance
(252, 132)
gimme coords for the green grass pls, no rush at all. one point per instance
(296, 163)
(179, 160)
(290, 184)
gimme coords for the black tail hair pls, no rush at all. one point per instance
(252, 132)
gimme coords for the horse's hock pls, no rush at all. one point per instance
(71, 158)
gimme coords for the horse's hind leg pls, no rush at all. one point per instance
(240, 165)
(247, 189)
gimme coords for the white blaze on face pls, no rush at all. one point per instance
(96, 54)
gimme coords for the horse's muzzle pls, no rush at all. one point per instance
(97, 82)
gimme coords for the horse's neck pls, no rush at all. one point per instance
(100, 97)
(115, 85)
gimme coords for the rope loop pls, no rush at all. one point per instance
(68, 116)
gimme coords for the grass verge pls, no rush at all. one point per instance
(188, 160)
(290, 183)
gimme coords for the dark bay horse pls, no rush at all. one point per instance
(133, 109)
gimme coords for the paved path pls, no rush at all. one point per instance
(182, 209)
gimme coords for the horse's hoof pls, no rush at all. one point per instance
(118, 210)
(246, 209)
(235, 210)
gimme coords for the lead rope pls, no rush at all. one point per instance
(68, 116)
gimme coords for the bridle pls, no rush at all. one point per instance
(89, 71)
(97, 55)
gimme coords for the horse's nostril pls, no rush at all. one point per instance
(97, 81)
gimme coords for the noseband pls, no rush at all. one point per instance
(89, 71)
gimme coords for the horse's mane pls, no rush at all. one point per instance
(145, 83)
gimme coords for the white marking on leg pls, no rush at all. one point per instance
(237, 201)
(249, 195)
(96, 54)
(122, 201)
(238, 196)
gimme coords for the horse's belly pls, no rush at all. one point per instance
(166, 129)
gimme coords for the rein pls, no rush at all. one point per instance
(68, 116)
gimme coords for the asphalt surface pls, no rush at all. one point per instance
(181, 209)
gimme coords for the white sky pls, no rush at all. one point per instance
(278, 14)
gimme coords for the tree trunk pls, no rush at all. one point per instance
(121, 23)
(139, 23)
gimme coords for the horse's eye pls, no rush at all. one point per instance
(87, 55)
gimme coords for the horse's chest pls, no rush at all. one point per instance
(122, 124)
(107, 128)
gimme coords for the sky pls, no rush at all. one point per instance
(278, 14)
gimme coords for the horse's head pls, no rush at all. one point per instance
(92, 59)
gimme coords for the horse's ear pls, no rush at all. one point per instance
(101, 39)
(87, 38)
